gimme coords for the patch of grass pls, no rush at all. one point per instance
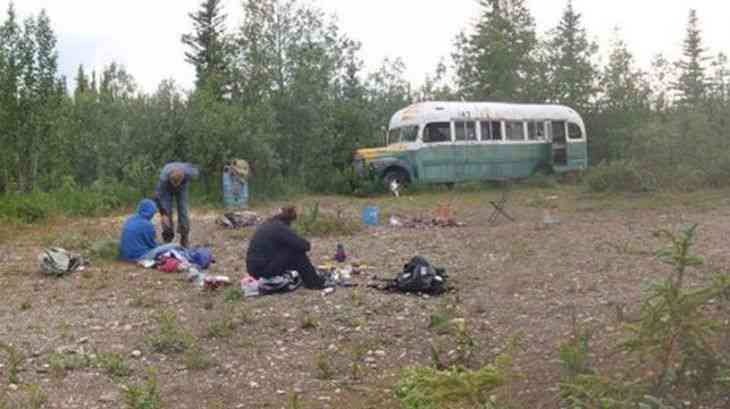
(14, 359)
(232, 294)
(314, 223)
(143, 395)
(196, 359)
(323, 364)
(61, 363)
(67, 240)
(26, 305)
(105, 249)
(114, 365)
(144, 300)
(222, 327)
(294, 402)
(357, 297)
(428, 388)
(37, 398)
(170, 337)
(309, 321)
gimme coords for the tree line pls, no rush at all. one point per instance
(286, 89)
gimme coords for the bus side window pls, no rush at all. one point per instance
(574, 131)
(437, 132)
(536, 131)
(471, 131)
(558, 131)
(459, 131)
(496, 131)
(515, 131)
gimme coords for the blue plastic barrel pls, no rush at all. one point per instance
(370, 215)
(235, 192)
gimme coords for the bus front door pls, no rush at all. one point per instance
(559, 143)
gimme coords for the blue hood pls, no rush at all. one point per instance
(147, 209)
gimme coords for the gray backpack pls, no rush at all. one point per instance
(56, 261)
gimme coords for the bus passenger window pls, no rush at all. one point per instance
(471, 131)
(536, 131)
(496, 131)
(394, 136)
(409, 133)
(465, 131)
(459, 131)
(558, 131)
(515, 131)
(437, 132)
(574, 131)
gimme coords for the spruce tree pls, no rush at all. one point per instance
(572, 73)
(623, 86)
(692, 82)
(496, 62)
(208, 50)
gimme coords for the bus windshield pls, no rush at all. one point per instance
(403, 134)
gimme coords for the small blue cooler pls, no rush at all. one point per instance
(370, 215)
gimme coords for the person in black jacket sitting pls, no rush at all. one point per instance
(276, 248)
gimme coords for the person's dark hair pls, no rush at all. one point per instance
(287, 214)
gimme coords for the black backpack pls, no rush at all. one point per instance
(289, 281)
(419, 276)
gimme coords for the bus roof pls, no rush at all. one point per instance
(445, 111)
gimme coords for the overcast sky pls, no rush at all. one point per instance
(144, 35)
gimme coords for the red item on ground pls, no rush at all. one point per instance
(168, 264)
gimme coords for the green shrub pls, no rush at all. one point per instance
(26, 208)
(114, 364)
(14, 359)
(314, 223)
(423, 387)
(617, 176)
(143, 395)
(170, 337)
(673, 347)
(105, 249)
(542, 180)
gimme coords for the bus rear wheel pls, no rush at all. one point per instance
(395, 180)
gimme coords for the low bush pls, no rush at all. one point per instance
(101, 198)
(618, 176)
(314, 223)
(424, 387)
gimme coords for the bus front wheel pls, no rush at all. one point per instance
(395, 180)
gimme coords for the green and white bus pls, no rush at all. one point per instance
(447, 142)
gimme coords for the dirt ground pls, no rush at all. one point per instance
(343, 350)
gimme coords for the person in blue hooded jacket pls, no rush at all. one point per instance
(138, 234)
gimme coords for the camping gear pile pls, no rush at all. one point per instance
(237, 220)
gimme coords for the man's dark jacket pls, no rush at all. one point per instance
(273, 239)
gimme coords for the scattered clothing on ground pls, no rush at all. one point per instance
(423, 222)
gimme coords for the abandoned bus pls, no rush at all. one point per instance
(446, 142)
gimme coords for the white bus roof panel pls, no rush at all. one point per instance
(447, 111)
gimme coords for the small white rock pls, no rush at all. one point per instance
(136, 353)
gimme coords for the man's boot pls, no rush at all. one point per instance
(184, 239)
